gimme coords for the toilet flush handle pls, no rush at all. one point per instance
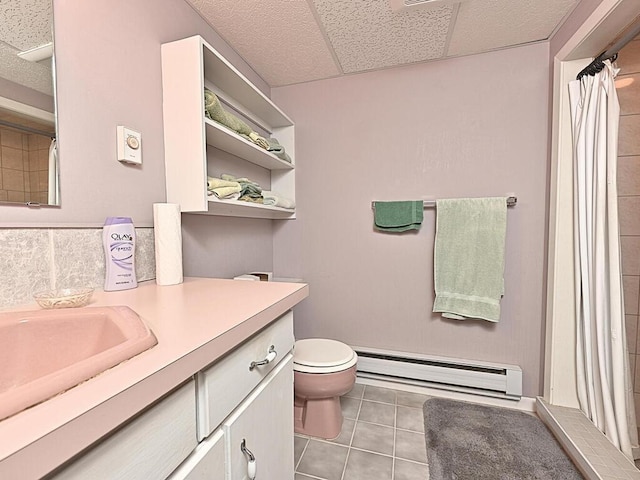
(271, 356)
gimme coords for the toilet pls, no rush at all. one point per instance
(323, 370)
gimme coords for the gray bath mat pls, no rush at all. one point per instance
(466, 441)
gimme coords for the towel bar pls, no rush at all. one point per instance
(511, 202)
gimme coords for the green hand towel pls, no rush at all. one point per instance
(398, 216)
(214, 110)
(469, 257)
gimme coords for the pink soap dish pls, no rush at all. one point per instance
(64, 298)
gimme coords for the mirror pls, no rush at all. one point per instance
(28, 154)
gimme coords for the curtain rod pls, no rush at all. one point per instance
(511, 202)
(609, 54)
(27, 129)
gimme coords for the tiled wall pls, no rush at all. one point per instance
(34, 259)
(628, 83)
(24, 164)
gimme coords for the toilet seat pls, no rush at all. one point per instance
(321, 355)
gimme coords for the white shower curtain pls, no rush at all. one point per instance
(605, 390)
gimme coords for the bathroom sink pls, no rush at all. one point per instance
(45, 352)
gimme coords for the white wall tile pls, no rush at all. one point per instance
(40, 259)
(25, 265)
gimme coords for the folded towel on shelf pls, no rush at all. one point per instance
(247, 198)
(258, 140)
(469, 257)
(214, 110)
(223, 188)
(278, 150)
(398, 216)
(249, 188)
(277, 200)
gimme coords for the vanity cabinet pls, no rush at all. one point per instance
(150, 446)
(193, 142)
(223, 386)
(245, 396)
(263, 424)
(207, 462)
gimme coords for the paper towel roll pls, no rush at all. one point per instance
(168, 242)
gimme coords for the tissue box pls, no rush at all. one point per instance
(251, 278)
(263, 276)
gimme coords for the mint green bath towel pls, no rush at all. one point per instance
(469, 257)
(398, 216)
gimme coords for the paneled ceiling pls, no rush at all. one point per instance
(293, 41)
(25, 24)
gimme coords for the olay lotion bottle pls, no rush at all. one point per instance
(119, 241)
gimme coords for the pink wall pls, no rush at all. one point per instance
(109, 74)
(472, 126)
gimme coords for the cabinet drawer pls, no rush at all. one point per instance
(226, 383)
(150, 446)
(265, 423)
(207, 462)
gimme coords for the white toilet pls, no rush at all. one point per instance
(323, 371)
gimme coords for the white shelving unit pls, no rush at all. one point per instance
(190, 139)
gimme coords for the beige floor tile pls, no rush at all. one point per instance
(346, 433)
(404, 470)
(628, 208)
(368, 466)
(324, 460)
(411, 446)
(299, 476)
(375, 412)
(299, 444)
(379, 394)
(410, 399)
(408, 418)
(374, 438)
(356, 391)
(350, 407)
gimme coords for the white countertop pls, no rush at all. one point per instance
(195, 323)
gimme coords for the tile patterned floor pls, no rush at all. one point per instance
(382, 438)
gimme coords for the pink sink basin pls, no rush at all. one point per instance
(45, 352)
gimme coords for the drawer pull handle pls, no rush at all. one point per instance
(271, 356)
(251, 464)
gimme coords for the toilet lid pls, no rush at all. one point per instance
(321, 354)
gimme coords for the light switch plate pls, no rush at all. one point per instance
(129, 145)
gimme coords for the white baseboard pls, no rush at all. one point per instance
(526, 404)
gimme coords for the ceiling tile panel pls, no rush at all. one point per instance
(368, 34)
(483, 25)
(29, 74)
(282, 42)
(25, 23)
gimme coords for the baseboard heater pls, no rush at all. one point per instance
(481, 378)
